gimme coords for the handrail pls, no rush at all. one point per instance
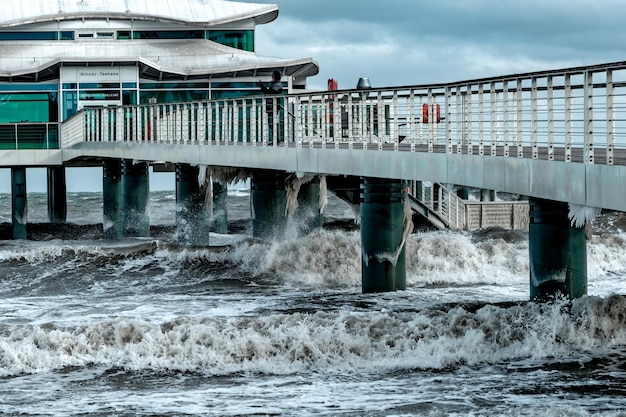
(571, 115)
(29, 135)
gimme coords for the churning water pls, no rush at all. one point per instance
(250, 328)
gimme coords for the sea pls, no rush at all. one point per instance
(244, 327)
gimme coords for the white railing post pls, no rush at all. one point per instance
(610, 117)
(533, 115)
(481, 119)
(568, 118)
(449, 127)
(550, 105)
(505, 116)
(494, 118)
(588, 115)
(467, 119)
(519, 118)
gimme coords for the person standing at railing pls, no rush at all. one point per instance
(275, 88)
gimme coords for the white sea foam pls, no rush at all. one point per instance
(332, 258)
(284, 344)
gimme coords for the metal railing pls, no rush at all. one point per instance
(15, 136)
(572, 115)
(460, 214)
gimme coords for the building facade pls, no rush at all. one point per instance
(57, 57)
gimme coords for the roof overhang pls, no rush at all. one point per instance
(186, 12)
(301, 68)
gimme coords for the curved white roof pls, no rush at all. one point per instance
(190, 12)
(37, 61)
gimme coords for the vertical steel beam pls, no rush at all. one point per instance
(135, 196)
(268, 202)
(192, 221)
(57, 198)
(220, 207)
(557, 252)
(382, 225)
(19, 202)
(112, 199)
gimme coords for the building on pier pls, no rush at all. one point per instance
(61, 56)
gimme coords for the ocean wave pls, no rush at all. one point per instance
(435, 338)
(324, 258)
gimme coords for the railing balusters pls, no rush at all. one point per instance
(559, 115)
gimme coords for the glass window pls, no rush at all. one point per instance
(168, 34)
(171, 86)
(70, 86)
(173, 96)
(28, 107)
(233, 84)
(240, 39)
(105, 34)
(67, 36)
(97, 95)
(99, 85)
(70, 104)
(123, 34)
(7, 137)
(32, 137)
(28, 87)
(129, 85)
(28, 36)
(129, 97)
(216, 95)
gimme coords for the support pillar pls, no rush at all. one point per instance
(463, 193)
(269, 200)
(558, 252)
(308, 214)
(191, 214)
(382, 226)
(220, 209)
(112, 199)
(57, 198)
(487, 195)
(135, 195)
(19, 202)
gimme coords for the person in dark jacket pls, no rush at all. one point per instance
(275, 88)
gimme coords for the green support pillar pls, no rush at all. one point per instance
(135, 195)
(308, 213)
(382, 227)
(19, 202)
(112, 199)
(191, 214)
(220, 209)
(57, 199)
(557, 252)
(463, 193)
(269, 200)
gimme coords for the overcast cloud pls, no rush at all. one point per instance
(406, 42)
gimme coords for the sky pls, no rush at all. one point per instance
(412, 42)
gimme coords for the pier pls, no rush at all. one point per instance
(555, 137)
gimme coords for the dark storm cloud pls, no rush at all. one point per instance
(410, 41)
